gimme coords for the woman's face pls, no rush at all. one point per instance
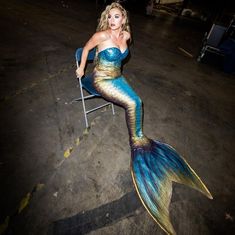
(115, 19)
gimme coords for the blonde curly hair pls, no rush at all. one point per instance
(103, 22)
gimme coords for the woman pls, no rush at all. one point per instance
(154, 165)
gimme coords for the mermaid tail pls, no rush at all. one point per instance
(154, 165)
(153, 169)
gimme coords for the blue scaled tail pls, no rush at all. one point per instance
(154, 165)
(153, 169)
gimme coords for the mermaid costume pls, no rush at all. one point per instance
(154, 165)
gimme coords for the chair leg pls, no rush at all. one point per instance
(83, 104)
(82, 98)
(113, 111)
(201, 54)
(86, 120)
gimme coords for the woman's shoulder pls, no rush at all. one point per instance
(102, 35)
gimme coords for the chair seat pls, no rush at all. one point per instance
(87, 83)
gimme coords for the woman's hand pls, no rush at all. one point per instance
(79, 72)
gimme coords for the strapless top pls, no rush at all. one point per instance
(112, 56)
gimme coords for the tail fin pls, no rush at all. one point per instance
(153, 171)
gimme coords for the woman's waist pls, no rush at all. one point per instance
(110, 71)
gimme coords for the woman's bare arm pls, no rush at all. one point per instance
(95, 40)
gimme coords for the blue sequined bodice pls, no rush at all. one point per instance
(112, 56)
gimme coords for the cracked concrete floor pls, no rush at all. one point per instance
(187, 105)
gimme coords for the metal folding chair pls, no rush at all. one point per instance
(87, 84)
(212, 41)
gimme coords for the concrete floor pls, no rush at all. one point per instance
(187, 105)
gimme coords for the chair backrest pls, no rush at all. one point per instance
(87, 81)
(215, 35)
(90, 57)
